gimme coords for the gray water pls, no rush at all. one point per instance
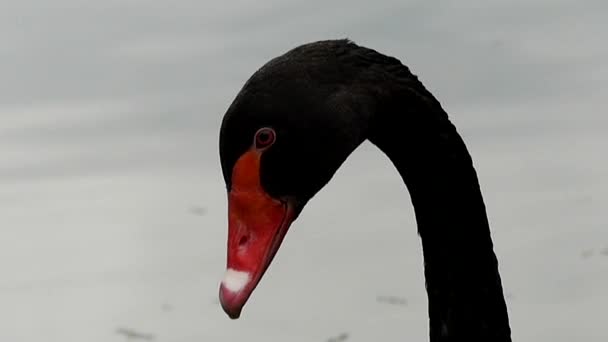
(113, 208)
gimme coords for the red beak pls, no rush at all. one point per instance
(257, 224)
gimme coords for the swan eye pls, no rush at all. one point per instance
(264, 137)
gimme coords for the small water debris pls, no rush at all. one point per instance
(198, 210)
(392, 300)
(340, 338)
(588, 253)
(131, 334)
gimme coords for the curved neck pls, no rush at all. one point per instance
(464, 288)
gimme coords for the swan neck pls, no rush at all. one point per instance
(463, 284)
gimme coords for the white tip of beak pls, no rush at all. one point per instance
(234, 280)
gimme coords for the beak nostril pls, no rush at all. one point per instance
(243, 241)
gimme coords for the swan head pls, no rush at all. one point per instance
(282, 139)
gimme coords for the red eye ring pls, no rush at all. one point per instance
(264, 137)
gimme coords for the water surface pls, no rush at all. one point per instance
(113, 207)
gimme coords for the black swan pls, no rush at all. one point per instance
(294, 123)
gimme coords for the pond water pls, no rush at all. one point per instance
(113, 208)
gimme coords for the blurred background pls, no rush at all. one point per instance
(113, 208)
